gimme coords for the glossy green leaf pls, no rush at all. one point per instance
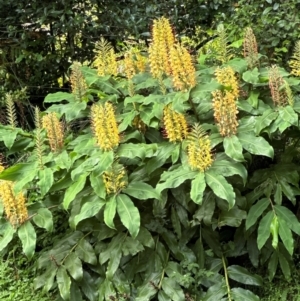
(241, 294)
(113, 263)
(286, 235)
(70, 110)
(263, 232)
(215, 292)
(255, 145)
(197, 188)
(256, 211)
(145, 238)
(141, 191)
(110, 212)
(19, 185)
(251, 76)
(172, 289)
(89, 209)
(131, 151)
(74, 189)
(64, 282)
(97, 184)
(206, 210)
(288, 114)
(27, 236)
(232, 217)
(46, 180)
(9, 136)
(285, 267)
(272, 265)
(233, 148)
(43, 219)
(129, 214)
(175, 177)
(6, 233)
(74, 266)
(148, 289)
(265, 120)
(85, 252)
(58, 97)
(220, 187)
(242, 275)
(289, 217)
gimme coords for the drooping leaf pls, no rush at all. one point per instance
(89, 209)
(172, 289)
(129, 214)
(197, 188)
(285, 267)
(64, 282)
(289, 217)
(256, 211)
(74, 266)
(241, 294)
(232, 217)
(255, 145)
(263, 232)
(220, 187)
(44, 219)
(46, 180)
(6, 233)
(242, 275)
(233, 148)
(58, 97)
(74, 189)
(141, 191)
(286, 235)
(97, 184)
(288, 114)
(272, 265)
(85, 252)
(265, 120)
(110, 212)
(27, 236)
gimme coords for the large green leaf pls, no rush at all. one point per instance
(74, 266)
(64, 282)
(256, 211)
(220, 187)
(129, 214)
(141, 191)
(6, 233)
(251, 76)
(285, 267)
(74, 189)
(241, 294)
(286, 236)
(58, 97)
(289, 217)
(263, 232)
(27, 236)
(70, 110)
(242, 275)
(172, 289)
(255, 145)
(97, 184)
(288, 114)
(110, 212)
(272, 265)
(85, 252)
(232, 217)
(43, 219)
(89, 209)
(197, 188)
(148, 289)
(175, 177)
(131, 151)
(265, 120)
(8, 135)
(46, 180)
(233, 148)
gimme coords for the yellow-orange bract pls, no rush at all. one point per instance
(105, 126)
(55, 131)
(277, 87)
(175, 124)
(199, 149)
(77, 80)
(14, 206)
(114, 180)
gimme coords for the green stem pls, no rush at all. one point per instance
(226, 278)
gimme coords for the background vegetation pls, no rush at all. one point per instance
(137, 218)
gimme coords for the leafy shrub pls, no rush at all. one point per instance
(170, 174)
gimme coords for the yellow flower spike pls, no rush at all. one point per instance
(295, 62)
(175, 125)
(199, 149)
(141, 62)
(226, 77)
(114, 179)
(55, 131)
(225, 112)
(183, 70)
(14, 206)
(78, 82)
(105, 126)
(276, 82)
(250, 48)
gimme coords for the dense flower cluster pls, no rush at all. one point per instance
(295, 62)
(175, 124)
(55, 131)
(277, 84)
(250, 48)
(78, 83)
(199, 149)
(105, 126)
(114, 179)
(224, 102)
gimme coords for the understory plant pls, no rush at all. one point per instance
(175, 177)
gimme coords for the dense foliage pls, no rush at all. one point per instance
(170, 175)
